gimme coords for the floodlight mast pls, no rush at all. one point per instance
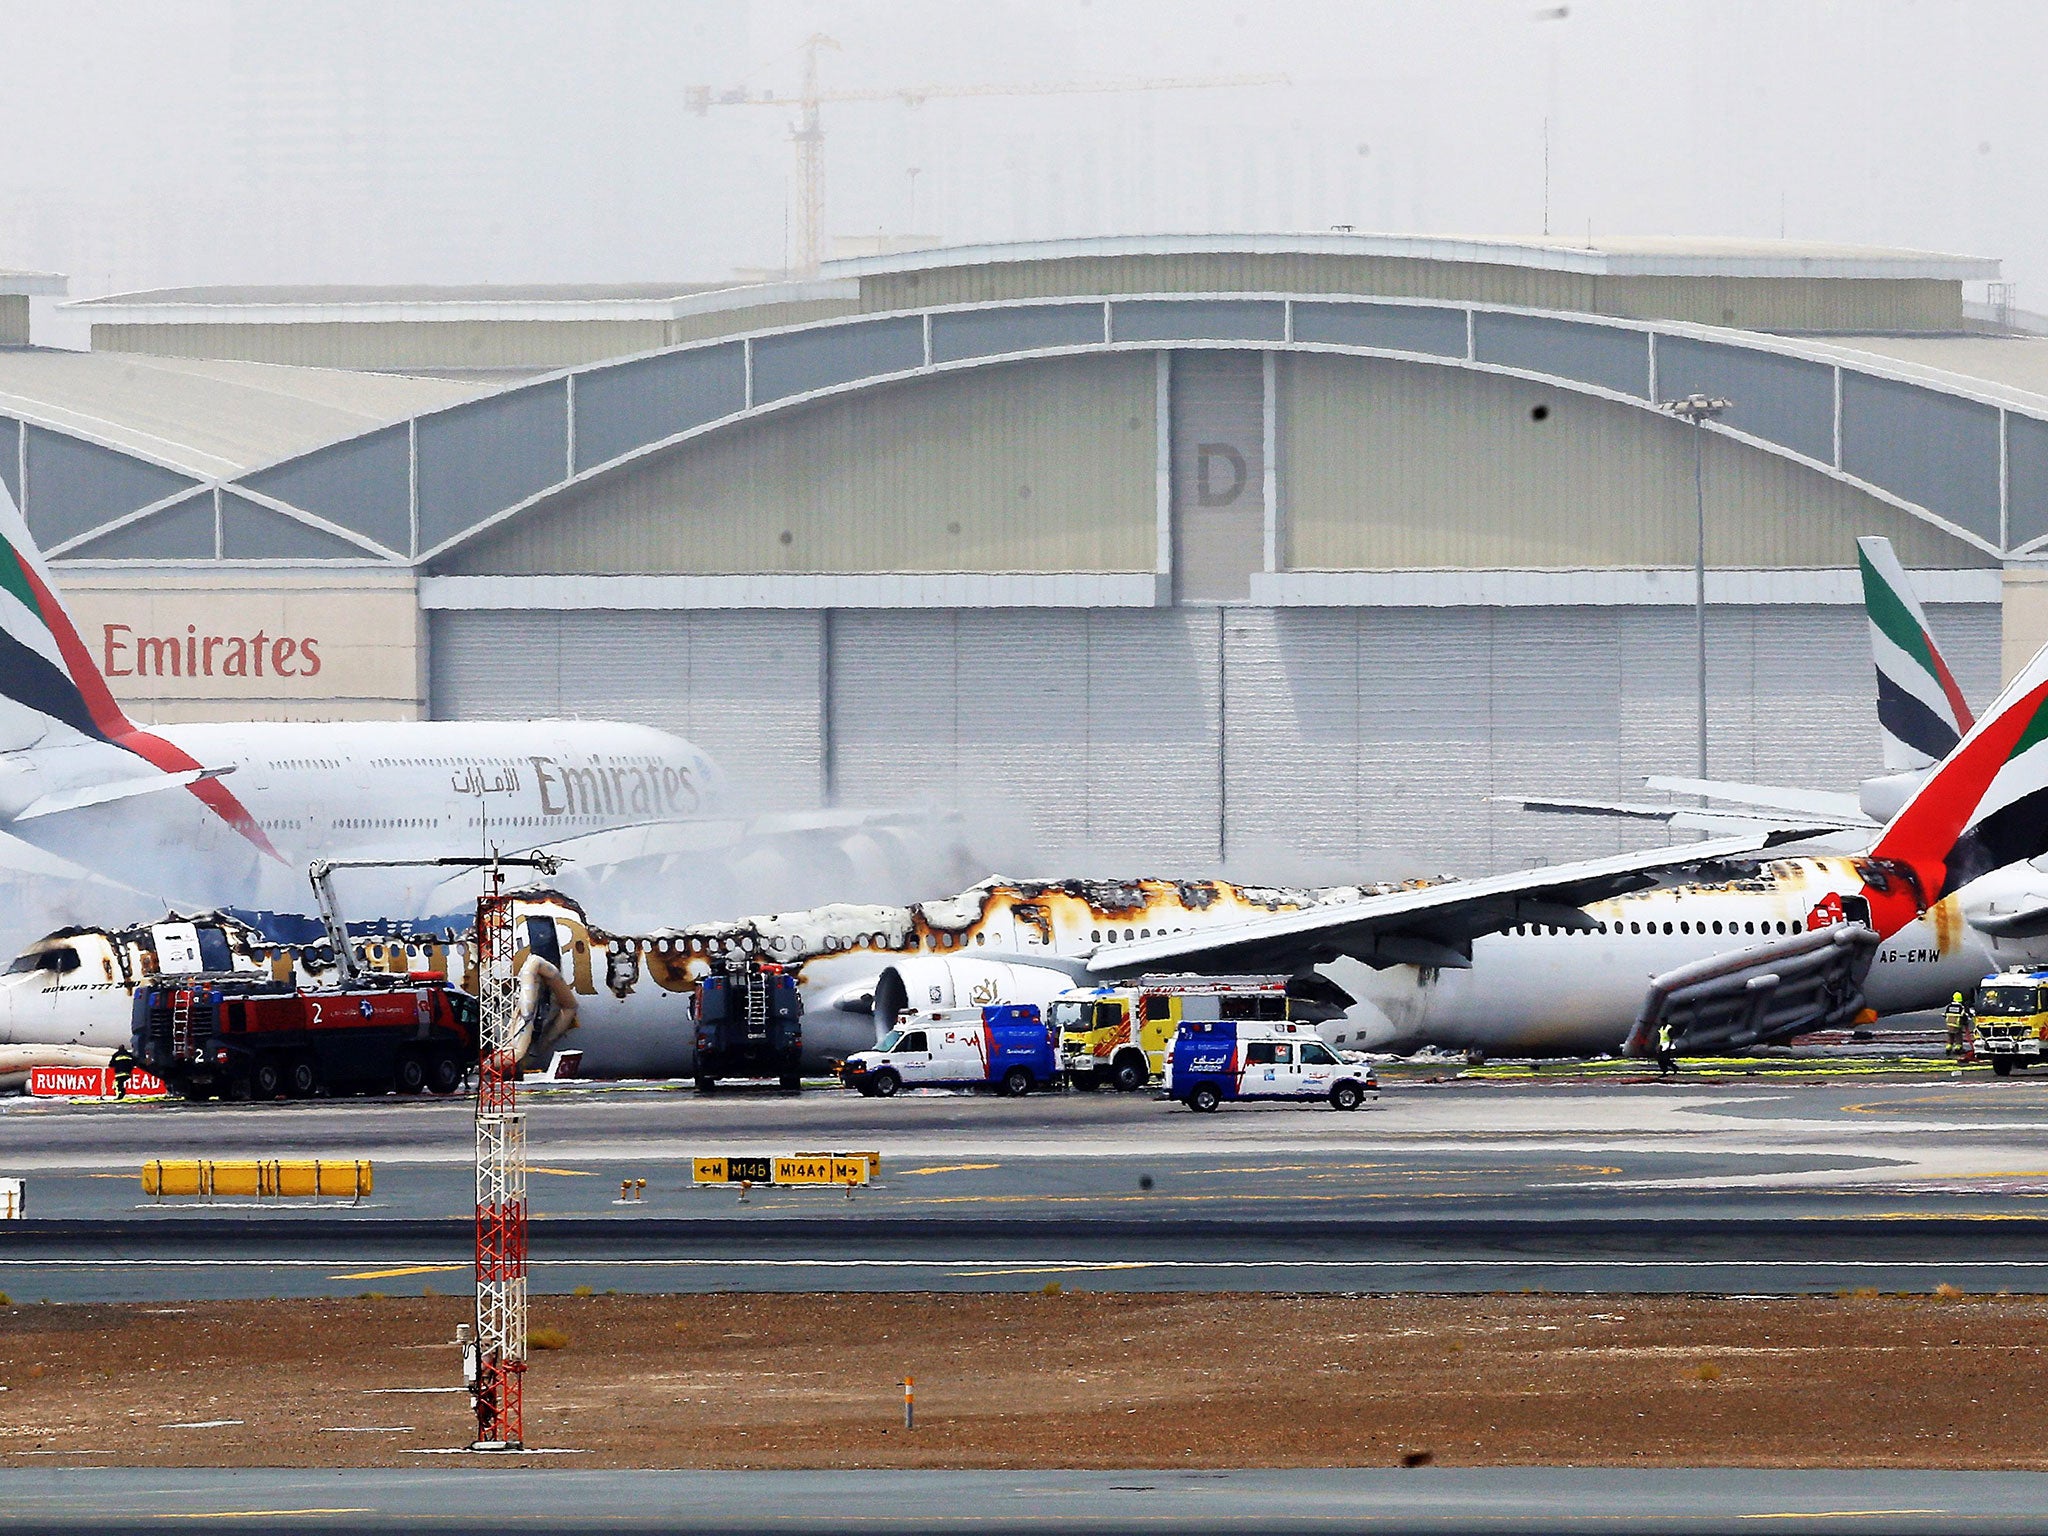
(1699, 409)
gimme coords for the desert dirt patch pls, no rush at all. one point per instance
(1044, 1380)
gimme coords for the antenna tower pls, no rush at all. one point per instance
(497, 1387)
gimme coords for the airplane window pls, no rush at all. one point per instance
(1667, 928)
(1635, 927)
(980, 938)
(1130, 933)
(1717, 925)
(1749, 927)
(1144, 933)
(1095, 935)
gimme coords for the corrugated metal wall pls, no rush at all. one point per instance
(1373, 736)
(1387, 464)
(1802, 304)
(518, 344)
(1024, 467)
(1356, 742)
(1090, 733)
(746, 687)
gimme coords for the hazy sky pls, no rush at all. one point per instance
(211, 141)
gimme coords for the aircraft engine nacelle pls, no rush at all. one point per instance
(2009, 908)
(931, 985)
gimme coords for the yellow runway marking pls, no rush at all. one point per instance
(1052, 1269)
(393, 1274)
(1942, 1100)
(264, 1514)
(1840, 1514)
(565, 1173)
(1946, 1216)
(951, 1168)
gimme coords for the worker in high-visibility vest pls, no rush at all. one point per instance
(1667, 1057)
(1960, 1018)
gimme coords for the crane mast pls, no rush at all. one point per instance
(808, 135)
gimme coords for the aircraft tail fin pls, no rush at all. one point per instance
(1920, 710)
(46, 672)
(1985, 805)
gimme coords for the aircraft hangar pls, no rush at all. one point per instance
(1283, 550)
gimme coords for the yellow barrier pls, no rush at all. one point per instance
(208, 1178)
(837, 1169)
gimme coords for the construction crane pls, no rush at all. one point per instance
(809, 133)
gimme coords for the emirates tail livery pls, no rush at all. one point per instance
(229, 815)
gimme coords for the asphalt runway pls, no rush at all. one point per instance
(1556, 1183)
(564, 1502)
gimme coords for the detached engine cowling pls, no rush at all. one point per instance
(929, 985)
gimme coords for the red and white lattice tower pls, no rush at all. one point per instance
(500, 1184)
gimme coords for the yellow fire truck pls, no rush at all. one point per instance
(2011, 1018)
(1121, 1035)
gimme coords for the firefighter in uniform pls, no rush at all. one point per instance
(1667, 1059)
(1959, 1017)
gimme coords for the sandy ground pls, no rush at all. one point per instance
(1041, 1380)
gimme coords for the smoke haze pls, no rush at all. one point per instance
(229, 141)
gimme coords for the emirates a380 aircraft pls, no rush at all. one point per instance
(230, 815)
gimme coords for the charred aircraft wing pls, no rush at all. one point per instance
(1427, 925)
(1759, 996)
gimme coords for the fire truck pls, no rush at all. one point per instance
(749, 1024)
(1120, 1035)
(211, 1029)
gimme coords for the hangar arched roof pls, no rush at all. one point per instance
(1952, 432)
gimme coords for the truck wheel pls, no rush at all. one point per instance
(410, 1075)
(706, 1084)
(303, 1080)
(265, 1080)
(792, 1082)
(1129, 1076)
(1085, 1080)
(886, 1084)
(1345, 1096)
(1017, 1082)
(446, 1076)
(1203, 1098)
(238, 1088)
(2001, 1066)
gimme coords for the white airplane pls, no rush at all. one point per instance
(1921, 715)
(1729, 942)
(230, 815)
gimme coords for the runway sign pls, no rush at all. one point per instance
(833, 1168)
(90, 1083)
